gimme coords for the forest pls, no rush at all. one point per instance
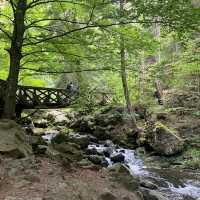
(99, 99)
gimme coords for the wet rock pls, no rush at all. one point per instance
(119, 169)
(109, 143)
(49, 135)
(152, 195)
(41, 123)
(105, 163)
(164, 140)
(148, 184)
(97, 160)
(13, 140)
(91, 151)
(141, 151)
(108, 151)
(82, 140)
(117, 158)
(38, 131)
(133, 196)
(119, 173)
(60, 138)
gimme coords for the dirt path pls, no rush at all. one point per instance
(44, 179)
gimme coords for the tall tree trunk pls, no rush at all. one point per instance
(157, 33)
(123, 74)
(15, 58)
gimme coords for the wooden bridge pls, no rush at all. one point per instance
(28, 97)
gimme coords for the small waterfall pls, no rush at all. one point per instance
(172, 191)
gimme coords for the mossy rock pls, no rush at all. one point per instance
(69, 150)
(13, 140)
(60, 138)
(163, 140)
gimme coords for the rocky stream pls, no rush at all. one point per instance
(107, 141)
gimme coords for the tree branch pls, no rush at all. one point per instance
(68, 72)
(59, 35)
(6, 33)
(40, 2)
(55, 19)
(58, 52)
(6, 16)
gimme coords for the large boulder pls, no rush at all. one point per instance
(13, 140)
(41, 123)
(119, 157)
(84, 124)
(57, 117)
(82, 140)
(69, 150)
(163, 140)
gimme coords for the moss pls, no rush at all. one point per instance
(160, 125)
(60, 138)
(190, 158)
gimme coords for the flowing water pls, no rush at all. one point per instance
(172, 183)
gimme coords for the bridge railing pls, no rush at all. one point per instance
(32, 97)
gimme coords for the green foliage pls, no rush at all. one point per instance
(80, 35)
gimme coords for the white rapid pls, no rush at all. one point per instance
(172, 191)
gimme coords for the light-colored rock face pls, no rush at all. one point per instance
(57, 117)
(13, 140)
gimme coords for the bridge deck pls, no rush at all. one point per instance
(28, 97)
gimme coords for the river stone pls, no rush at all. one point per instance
(60, 138)
(164, 140)
(91, 151)
(57, 117)
(118, 168)
(13, 140)
(38, 131)
(117, 158)
(39, 145)
(148, 184)
(95, 159)
(152, 195)
(82, 140)
(41, 123)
